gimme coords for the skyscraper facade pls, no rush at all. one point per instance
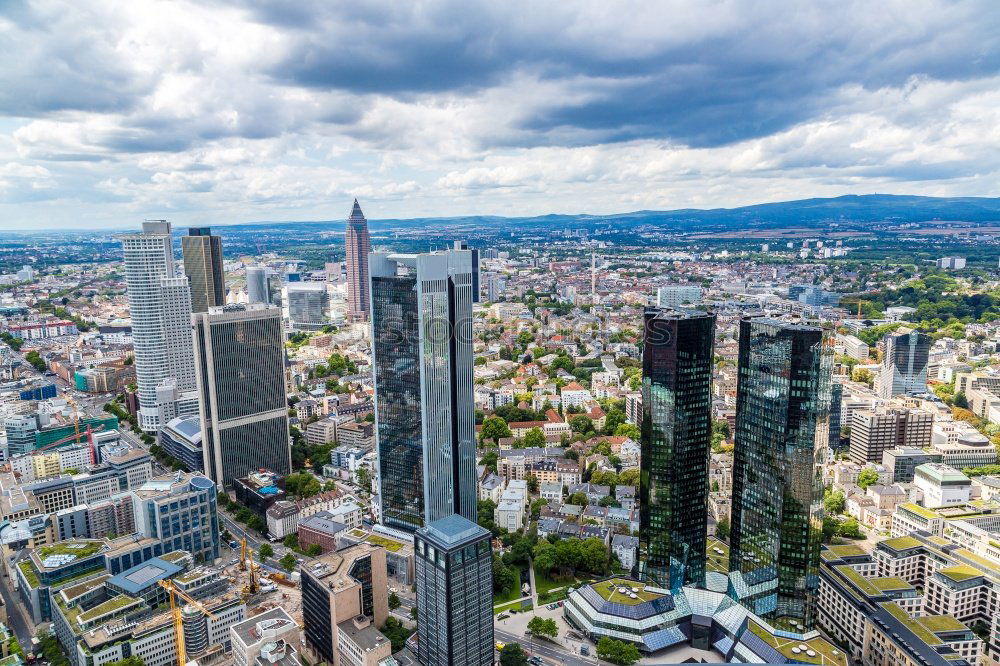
(782, 432)
(203, 266)
(308, 305)
(160, 308)
(358, 245)
(454, 579)
(241, 385)
(462, 245)
(904, 363)
(677, 361)
(421, 307)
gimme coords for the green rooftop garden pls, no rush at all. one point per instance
(609, 591)
(920, 630)
(110, 606)
(960, 572)
(865, 585)
(78, 548)
(844, 550)
(174, 556)
(29, 572)
(388, 544)
(75, 591)
(919, 510)
(902, 543)
(890, 583)
(825, 652)
(989, 565)
(938, 623)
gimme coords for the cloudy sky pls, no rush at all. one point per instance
(220, 112)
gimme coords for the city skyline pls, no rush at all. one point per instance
(421, 117)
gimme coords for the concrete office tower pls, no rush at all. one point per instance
(338, 588)
(422, 367)
(241, 387)
(203, 266)
(308, 305)
(259, 285)
(462, 245)
(875, 431)
(904, 363)
(160, 308)
(782, 431)
(358, 245)
(677, 362)
(454, 570)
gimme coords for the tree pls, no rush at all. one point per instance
(503, 576)
(512, 654)
(830, 527)
(617, 652)
(960, 400)
(363, 477)
(489, 459)
(134, 660)
(265, 551)
(850, 529)
(722, 530)
(397, 634)
(594, 556)
(485, 509)
(314, 550)
(394, 601)
(834, 502)
(628, 430)
(867, 477)
(539, 626)
(580, 499)
(291, 541)
(494, 428)
(287, 562)
(532, 483)
(534, 438)
(581, 423)
(629, 477)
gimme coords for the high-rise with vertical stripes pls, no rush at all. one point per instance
(241, 385)
(358, 245)
(421, 319)
(160, 308)
(202, 254)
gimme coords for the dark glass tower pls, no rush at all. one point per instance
(240, 362)
(454, 579)
(782, 432)
(421, 314)
(677, 357)
(203, 266)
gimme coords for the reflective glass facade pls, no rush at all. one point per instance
(677, 360)
(424, 410)
(782, 432)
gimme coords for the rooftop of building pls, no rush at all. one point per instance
(138, 578)
(452, 531)
(362, 633)
(251, 630)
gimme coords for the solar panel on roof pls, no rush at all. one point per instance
(145, 574)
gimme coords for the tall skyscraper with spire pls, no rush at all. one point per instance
(358, 244)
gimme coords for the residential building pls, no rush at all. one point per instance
(202, 254)
(424, 406)
(678, 295)
(241, 384)
(677, 362)
(454, 593)
(160, 308)
(357, 244)
(782, 421)
(904, 363)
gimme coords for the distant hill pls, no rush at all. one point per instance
(853, 209)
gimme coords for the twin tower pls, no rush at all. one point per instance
(782, 423)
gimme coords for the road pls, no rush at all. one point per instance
(550, 652)
(17, 616)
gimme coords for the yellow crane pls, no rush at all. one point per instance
(175, 611)
(247, 563)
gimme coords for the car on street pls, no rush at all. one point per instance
(499, 646)
(584, 650)
(534, 660)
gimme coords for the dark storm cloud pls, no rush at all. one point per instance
(767, 67)
(59, 60)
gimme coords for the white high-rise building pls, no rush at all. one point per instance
(160, 307)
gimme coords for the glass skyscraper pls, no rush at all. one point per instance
(677, 357)
(202, 254)
(454, 580)
(782, 433)
(421, 316)
(241, 382)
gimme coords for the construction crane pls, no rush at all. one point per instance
(247, 563)
(175, 611)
